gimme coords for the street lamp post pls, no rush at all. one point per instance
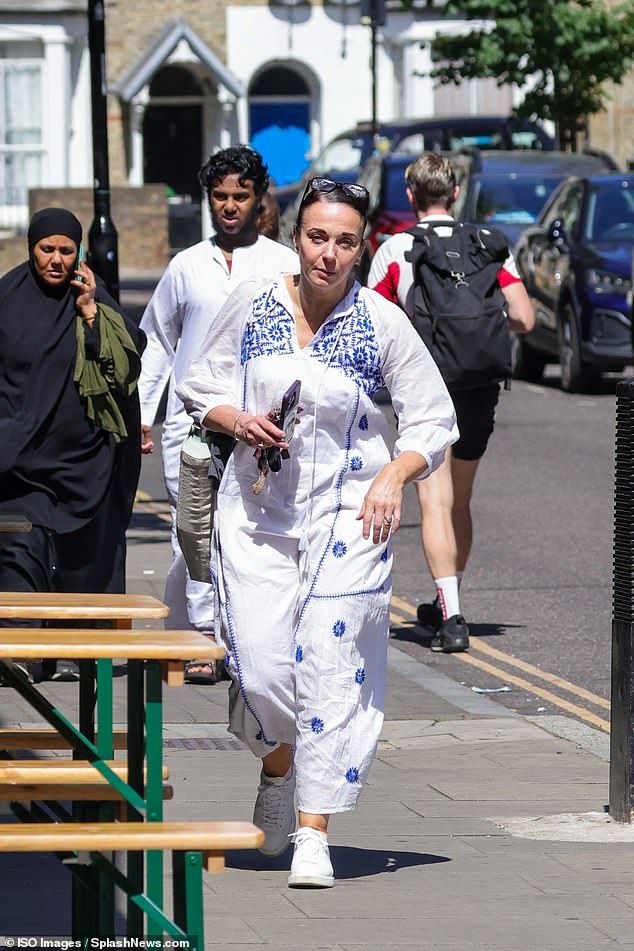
(102, 237)
(373, 14)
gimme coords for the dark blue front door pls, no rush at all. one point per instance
(280, 133)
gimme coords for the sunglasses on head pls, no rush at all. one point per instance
(351, 189)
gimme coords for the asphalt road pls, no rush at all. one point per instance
(538, 585)
(537, 593)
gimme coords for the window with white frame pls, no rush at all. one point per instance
(21, 120)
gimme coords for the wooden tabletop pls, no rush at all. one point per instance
(38, 643)
(80, 606)
(60, 771)
(14, 523)
(199, 836)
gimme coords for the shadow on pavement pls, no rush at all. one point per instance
(348, 861)
(494, 630)
(415, 634)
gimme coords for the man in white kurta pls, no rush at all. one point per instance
(303, 597)
(178, 317)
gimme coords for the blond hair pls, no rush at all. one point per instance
(432, 181)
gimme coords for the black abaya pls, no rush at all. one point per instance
(56, 467)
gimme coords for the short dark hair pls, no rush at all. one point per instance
(240, 160)
(337, 195)
(432, 181)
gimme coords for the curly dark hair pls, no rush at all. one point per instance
(239, 160)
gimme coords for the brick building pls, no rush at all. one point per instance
(186, 77)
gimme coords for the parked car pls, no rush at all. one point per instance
(507, 190)
(503, 189)
(345, 155)
(451, 133)
(576, 261)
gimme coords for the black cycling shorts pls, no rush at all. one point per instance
(475, 412)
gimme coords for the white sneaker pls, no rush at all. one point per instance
(274, 812)
(311, 866)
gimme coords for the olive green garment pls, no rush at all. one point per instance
(114, 373)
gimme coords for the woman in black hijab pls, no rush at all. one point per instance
(69, 459)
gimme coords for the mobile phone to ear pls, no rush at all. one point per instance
(288, 411)
(81, 258)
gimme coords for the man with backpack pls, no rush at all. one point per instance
(460, 287)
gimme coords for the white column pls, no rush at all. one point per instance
(137, 112)
(418, 90)
(227, 103)
(56, 110)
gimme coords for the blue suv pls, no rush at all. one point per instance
(576, 262)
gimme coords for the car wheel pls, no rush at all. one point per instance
(576, 376)
(526, 363)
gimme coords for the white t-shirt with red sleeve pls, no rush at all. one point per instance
(392, 276)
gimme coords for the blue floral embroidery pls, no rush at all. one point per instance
(299, 654)
(363, 422)
(258, 735)
(353, 349)
(317, 725)
(339, 628)
(353, 775)
(339, 549)
(359, 675)
(268, 330)
(385, 555)
(356, 463)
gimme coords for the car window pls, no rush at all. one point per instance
(418, 142)
(610, 213)
(511, 199)
(525, 139)
(371, 178)
(553, 210)
(481, 139)
(570, 210)
(342, 155)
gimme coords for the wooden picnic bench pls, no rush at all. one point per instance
(120, 609)
(193, 845)
(151, 655)
(18, 739)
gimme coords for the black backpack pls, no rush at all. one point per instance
(459, 309)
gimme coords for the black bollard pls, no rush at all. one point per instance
(622, 711)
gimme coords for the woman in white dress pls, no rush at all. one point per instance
(303, 556)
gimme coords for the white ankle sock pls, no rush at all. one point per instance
(447, 593)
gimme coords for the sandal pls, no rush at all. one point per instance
(200, 672)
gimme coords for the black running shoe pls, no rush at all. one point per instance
(429, 615)
(452, 636)
(66, 671)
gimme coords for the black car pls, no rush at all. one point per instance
(344, 156)
(576, 262)
(452, 133)
(507, 190)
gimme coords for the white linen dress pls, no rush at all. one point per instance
(186, 301)
(303, 597)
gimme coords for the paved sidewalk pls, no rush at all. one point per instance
(426, 861)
